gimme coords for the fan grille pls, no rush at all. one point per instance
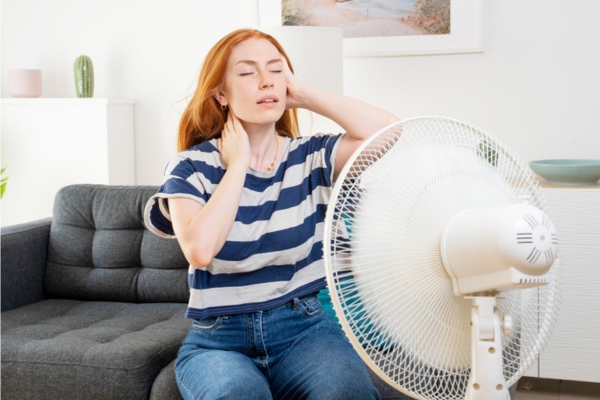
(385, 274)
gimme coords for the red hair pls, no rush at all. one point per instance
(203, 118)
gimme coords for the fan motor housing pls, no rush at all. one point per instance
(498, 248)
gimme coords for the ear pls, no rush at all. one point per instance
(221, 98)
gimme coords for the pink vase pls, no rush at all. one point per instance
(25, 82)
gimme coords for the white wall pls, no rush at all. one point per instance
(536, 86)
(146, 50)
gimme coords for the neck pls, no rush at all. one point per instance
(264, 147)
(260, 138)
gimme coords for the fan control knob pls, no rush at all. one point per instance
(507, 324)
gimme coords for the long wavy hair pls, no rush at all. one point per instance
(203, 118)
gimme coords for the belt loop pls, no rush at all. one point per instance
(295, 303)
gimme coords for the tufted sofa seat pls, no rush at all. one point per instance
(96, 350)
(93, 303)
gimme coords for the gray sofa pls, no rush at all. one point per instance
(93, 304)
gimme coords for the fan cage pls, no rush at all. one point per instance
(416, 339)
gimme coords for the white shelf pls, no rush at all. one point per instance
(50, 143)
(63, 101)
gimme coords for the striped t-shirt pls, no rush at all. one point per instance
(274, 251)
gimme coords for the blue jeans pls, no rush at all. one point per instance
(292, 352)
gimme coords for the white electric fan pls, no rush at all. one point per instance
(442, 261)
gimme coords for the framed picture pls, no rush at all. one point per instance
(384, 28)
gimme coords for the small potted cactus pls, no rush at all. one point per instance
(84, 76)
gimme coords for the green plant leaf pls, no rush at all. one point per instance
(488, 152)
(3, 182)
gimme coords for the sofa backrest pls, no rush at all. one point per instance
(99, 249)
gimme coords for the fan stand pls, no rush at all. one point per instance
(487, 381)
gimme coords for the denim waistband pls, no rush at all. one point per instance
(294, 302)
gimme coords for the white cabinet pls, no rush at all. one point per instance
(573, 352)
(51, 143)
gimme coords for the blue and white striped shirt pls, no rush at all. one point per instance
(274, 251)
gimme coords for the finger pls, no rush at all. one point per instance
(289, 74)
(286, 66)
(231, 117)
(229, 123)
(234, 118)
(225, 129)
(237, 124)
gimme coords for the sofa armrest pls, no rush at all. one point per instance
(24, 249)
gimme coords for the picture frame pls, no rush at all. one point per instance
(467, 33)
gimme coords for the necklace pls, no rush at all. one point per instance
(270, 167)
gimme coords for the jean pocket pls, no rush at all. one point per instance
(310, 306)
(207, 324)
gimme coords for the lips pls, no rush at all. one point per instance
(268, 99)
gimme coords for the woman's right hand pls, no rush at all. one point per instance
(234, 144)
(202, 230)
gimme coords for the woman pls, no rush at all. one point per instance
(246, 199)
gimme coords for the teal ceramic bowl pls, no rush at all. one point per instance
(567, 172)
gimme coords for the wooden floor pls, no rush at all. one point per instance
(551, 389)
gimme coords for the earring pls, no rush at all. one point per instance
(223, 107)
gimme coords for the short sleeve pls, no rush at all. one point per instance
(182, 179)
(327, 146)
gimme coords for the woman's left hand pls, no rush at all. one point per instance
(295, 89)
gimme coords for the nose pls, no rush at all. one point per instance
(266, 81)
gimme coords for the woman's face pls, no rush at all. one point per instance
(254, 84)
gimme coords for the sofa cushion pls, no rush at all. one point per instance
(165, 385)
(99, 249)
(69, 349)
